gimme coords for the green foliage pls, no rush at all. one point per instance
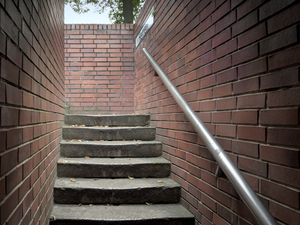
(115, 7)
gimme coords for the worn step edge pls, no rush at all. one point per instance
(116, 191)
(110, 133)
(111, 168)
(158, 214)
(108, 120)
(120, 149)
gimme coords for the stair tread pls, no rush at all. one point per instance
(114, 120)
(113, 161)
(116, 184)
(116, 143)
(120, 213)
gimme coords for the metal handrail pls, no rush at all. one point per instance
(244, 190)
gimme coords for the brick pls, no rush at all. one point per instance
(245, 23)
(271, 8)
(279, 40)
(2, 189)
(252, 68)
(221, 117)
(285, 175)
(279, 155)
(9, 117)
(14, 138)
(9, 27)
(222, 64)
(226, 104)
(14, 54)
(25, 117)
(283, 213)
(247, 7)
(253, 166)
(285, 18)
(245, 148)
(253, 35)
(284, 136)
(280, 79)
(280, 193)
(246, 86)
(205, 94)
(9, 71)
(25, 81)
(252, 133)
(8, 206)
(14, 95)
(226, 130)
(208, 81)
(2, 141)
(16, 216)
(226, 48)
(245, 117)
(226, 76)
(288, 97)
(246, 54)
(208, 105)
(226, 21)
(24, 153)
(2, 43)
(284, 58)
(251, 101)
(221, 38)
(279, 117)
(9, 161)
(227, 215)
(13, 179)
(241, 209)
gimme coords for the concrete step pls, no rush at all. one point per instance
(109, 133)
(121, 149)
(108, 120)
(116, 191)
(161, 214)
(113, 168)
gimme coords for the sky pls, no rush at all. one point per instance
(89, 17)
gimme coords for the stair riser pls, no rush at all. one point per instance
(127, 196)
(121, 120)
(120, 151)
(113, 171)
(181, 221)
(141, 133)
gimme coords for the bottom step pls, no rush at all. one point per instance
(160, 214)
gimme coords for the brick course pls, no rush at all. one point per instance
(31, 107)
(237, 65)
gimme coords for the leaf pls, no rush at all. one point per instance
(61, 160)
(90, 205)
(147, 203)
(52, 217)
(79, 204)
(124, 140)
(72, 180)
(105, 126)
(86, 157)
(128, 159)
(131, 178)
(144, 178)
(160, 181)
(67, 140)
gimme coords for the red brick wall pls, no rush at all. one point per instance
(31, 107)
(99, 68)
(237, 64)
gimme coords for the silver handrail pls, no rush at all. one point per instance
(249, 197)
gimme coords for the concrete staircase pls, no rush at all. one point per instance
(111, 172)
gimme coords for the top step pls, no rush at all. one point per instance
(108, 120)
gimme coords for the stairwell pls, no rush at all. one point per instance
(111, 172)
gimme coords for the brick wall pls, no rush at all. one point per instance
(237, 64)
(99, 68)
(31, 107)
